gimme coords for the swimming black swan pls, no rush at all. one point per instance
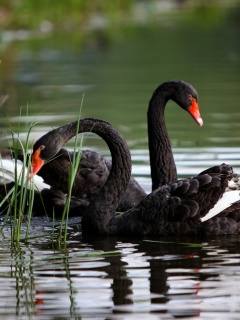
(177, 208)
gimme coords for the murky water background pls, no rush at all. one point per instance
(44, 79)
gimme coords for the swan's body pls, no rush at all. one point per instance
(175, 208)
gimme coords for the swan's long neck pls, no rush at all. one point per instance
(102, 208)
(163, 168)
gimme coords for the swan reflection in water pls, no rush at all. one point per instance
(169, 276)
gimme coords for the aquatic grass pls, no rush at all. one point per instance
(45, 235)
(91, 254)
(21, 199)
(22, 196)
(73, 169)
(18, 201)
(188, 244)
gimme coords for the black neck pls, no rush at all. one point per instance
(163, 169)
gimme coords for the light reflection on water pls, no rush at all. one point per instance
(167, 278)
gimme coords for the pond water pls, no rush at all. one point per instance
(42, 80)
(107, 278)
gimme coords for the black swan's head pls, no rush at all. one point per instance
(183, 94)
(46, 148)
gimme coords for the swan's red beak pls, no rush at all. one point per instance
(194, 112)
(37, 162)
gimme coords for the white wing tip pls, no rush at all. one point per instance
(226, 201)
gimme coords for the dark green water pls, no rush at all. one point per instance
(119, 73)
(45, 78)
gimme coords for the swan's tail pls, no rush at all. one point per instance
(13, 170)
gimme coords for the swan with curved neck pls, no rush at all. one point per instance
(177, 208)
(50, 144)
(163, 168)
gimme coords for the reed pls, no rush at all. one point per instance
(17, 204)
(19, 199)
(73, 169)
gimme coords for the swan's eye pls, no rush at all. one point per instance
(42, 147)
(190, 97)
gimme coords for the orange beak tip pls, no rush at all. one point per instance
(35, 168)
(195, 113)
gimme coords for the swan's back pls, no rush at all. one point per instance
(178, 208)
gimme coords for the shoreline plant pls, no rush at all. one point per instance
(17, 204)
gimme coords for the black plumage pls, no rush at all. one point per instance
(175, 208)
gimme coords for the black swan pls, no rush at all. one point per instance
(176, 208)
(163, 169)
